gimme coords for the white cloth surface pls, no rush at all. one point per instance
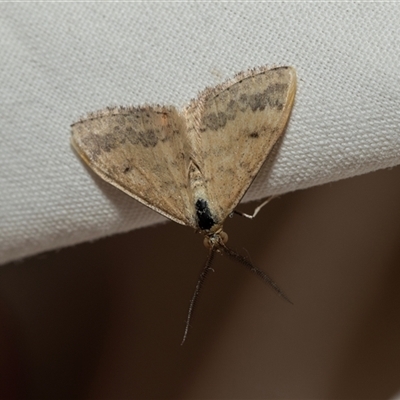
(61, 60)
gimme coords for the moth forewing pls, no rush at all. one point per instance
(141, 151)
(238, 123)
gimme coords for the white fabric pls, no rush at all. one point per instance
(61, 60)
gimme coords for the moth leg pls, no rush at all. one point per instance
(256, 211)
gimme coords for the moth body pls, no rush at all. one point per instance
(193, 166)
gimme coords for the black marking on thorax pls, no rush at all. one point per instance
(204, 218)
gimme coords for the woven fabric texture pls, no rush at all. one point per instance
(61, 60)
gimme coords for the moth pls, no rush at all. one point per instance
(193, 166)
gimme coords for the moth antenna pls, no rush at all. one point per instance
(207, 268)
(250, 266)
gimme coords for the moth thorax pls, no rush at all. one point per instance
(215, 240)
(196, 178)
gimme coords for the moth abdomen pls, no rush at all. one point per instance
(205, 219)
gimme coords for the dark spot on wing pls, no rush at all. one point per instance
(231, 110)
(271, 97)
(148, 138)
(243, 102)
(96, 144)
(215, 121)
(254, 135)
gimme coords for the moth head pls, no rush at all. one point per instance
(215, 240)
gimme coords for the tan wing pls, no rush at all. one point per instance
(237, 124)
(142, 152)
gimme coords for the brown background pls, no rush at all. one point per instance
(105, 319)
